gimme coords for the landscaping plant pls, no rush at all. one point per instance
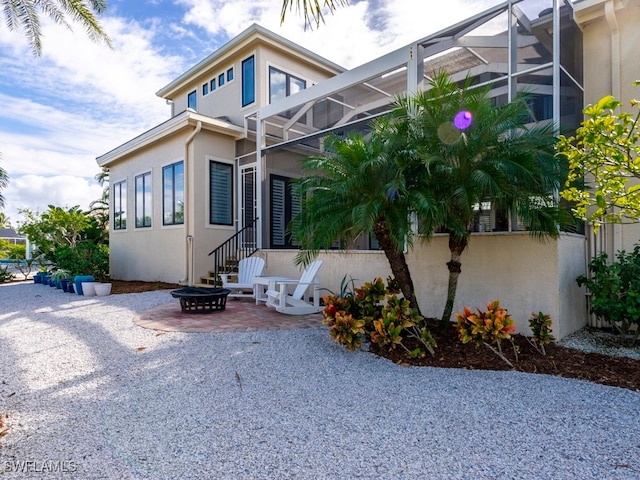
(487, 328)
(615, 291)
(376, 311)
(540, 325)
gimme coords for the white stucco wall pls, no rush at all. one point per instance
(526, 275)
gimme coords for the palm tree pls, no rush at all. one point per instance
(25, 15)
(311, 9)
(5, 222)
(356, 189)
(475, 151)
(4, 181)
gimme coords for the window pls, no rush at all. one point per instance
(143, 200)
(282, 85)
(284, 206)
(248, 81)
(120, 205)
(173, 194)
(230, 74)
(205, 89)
(213, 84)
(221, 79)
(221, 193)
(192, 100)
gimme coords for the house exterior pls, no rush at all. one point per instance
(13, 237)
(243, 117)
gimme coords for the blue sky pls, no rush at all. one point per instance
(79, 99)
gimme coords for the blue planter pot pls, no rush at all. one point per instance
(46, 279)
(70, 288)
(78, 282)
(37, 278)
(64, 283)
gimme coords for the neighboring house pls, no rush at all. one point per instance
(13, 237)
(244, 116)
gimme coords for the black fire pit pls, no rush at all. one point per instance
(201, 299)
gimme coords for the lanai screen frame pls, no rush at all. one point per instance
(409, 64)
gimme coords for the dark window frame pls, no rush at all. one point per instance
(120, 201)
(214, 221)
(248, 81)
(144, 177)
(192, 98)
(174, 205)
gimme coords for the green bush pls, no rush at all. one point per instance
(86, 258)
(615, 291)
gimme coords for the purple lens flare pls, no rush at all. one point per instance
(463, 120)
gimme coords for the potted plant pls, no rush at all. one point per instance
(62, 278)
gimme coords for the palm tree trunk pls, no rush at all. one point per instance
(397, 262)
(456, 247)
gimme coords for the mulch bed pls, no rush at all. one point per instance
(560, 361)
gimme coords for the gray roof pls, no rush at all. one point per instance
(10, 233)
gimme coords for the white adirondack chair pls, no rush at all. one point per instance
(295, 303)
(247, 269)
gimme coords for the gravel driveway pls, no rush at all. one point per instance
(90, 395)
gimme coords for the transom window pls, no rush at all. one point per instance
(120, 205)
(143, 200)
(230, 74)
(173, 194)
(221, 79)
(220, 193)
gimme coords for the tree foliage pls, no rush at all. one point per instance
(473, 151)
(311, 10)
(4, 181)
(357, 188)
(604, 167)
(25, 15)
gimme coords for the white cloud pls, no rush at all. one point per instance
(37, 192)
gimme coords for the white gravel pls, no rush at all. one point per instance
(85, 400)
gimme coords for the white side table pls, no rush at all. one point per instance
(262, 284)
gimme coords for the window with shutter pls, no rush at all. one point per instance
(221, 193)
(284, 206)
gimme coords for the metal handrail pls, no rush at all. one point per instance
(241, 245)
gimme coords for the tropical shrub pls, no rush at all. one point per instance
(85, 258)
(374, 310)
(540, 325)
(615, 291)
(487, 328)
(5, 274)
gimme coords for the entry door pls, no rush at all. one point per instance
(284, 206)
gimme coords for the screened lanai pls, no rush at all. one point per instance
(528, 45)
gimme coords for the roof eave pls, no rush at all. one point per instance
(157, 133)
(255, 31)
